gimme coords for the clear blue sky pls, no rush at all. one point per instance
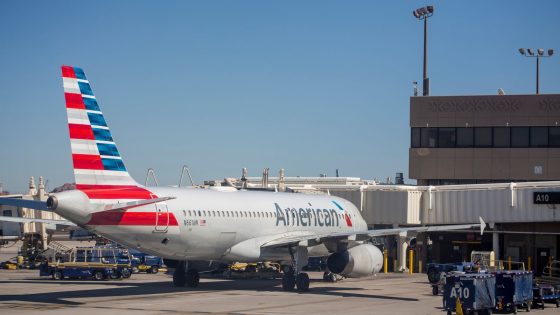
(310, 86)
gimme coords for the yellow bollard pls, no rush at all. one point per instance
(529, 263)
(419, 266)
(410, 261)
(509, 263)
(385, 260)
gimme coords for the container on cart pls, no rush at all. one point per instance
(514, 289)
(476, 293)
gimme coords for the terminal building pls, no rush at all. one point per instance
(471, 156)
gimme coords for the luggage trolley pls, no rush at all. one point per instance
(514, 289)
(476, 293)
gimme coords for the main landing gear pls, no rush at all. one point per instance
(185, 276)
(293, 277)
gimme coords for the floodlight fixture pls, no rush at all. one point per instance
(540, 54)
(423, 12)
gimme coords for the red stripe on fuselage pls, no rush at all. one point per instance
(87, 162)
(83, 132)
(115, 192)
(74, 101)
(118, 217)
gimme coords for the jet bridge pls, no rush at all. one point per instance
(507, 208)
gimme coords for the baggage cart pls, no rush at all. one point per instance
(514, 289)
(475, 292)
(545, 293)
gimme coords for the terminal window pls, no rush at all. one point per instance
(486, 137)
(539, 137)
(465, 137)
(483, 137)
(428, 137)
(501, 137)
(446, 137)
(554, 137)
(520, 137)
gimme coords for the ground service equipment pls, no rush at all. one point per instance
(96, 263)
(474, 291)
(514, 289)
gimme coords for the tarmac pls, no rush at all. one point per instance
(24, 292)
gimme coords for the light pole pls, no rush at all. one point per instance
(423, 14)
(540, 54)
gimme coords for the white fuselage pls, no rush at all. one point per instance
(208, 224)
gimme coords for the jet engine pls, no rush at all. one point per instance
(356, 262)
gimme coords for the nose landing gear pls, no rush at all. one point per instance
(293, 277)
(185, 276)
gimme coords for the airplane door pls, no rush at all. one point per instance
(162, 217)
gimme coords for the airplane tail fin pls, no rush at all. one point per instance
(97, 162)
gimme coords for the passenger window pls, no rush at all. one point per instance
(204, 212)
(199, 214)
(190, 213)
(184, 213)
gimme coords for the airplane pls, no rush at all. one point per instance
(188, 225)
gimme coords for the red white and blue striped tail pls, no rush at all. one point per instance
(98, 166)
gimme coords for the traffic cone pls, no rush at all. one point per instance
(458, 308)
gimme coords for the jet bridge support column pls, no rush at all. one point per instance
(402, 244)
(496, 245)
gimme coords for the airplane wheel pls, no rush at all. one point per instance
(302, 282)
(179, 277)
(288, 282)
(192, 278)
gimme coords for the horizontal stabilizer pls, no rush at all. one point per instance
(22, 203)
(134, 204)
(30, 220)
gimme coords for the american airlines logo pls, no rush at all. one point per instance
(309, 216)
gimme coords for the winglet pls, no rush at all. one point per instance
(482, 225)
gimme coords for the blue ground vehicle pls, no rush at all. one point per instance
(434, 270)
(96, 263)
(141, 262)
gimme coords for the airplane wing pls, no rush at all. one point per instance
(31, 220)
(316, 239)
